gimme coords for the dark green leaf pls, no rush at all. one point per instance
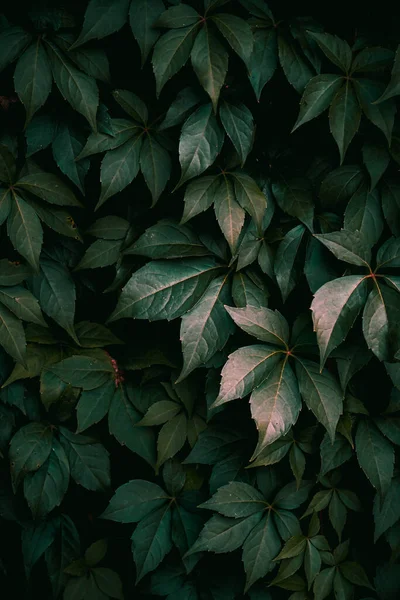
(88, 461)
(344, 117)
(29, 449)
(317, 97)
(336, 50)
(375, 455)
(25, 231)
(102, 17)
(142, 16)
(151, 541)
(238, 124)
(32, 78)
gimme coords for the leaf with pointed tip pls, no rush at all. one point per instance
(214, 444)
(336, 50)
(142, 16)
(349, 246)
(225, 534)
(375, 455)
(93, 405)
(335, 307)
(45, 488)
(344, 117)
(167, 239)
(151, 541)
(101, 253)
(181, 107)
(237, 32)
(178, 16)
(297, 70)
(64, 549)
(12, 336)
(245, 370)
(165, 289)
(55, 290)
(109, 228)
(199, 196)
(317, 97)
(389, 254)
(25, 231)
(22, 303)
(83, 371)
(66, 146)
(29, 449)
(286, 266)
(376, 158)
(391, 204)
(263, 59)
(5, 204)
(79, 89)
(393, 88)
(200, 142)
(387, 510)
(119, 167)
(275, 405)
(246, 291)
(334, 455)
(123, 130)
(134, 500)
(239, 126)
(263, 323)
(205, 328)
(381, 115)
(48, 187)
(363, 214)
(102, 18)
(171, 53)
(171, 438)
(340, 184)
(155, 164)
(89, 462)
(260, 549)
(13, 40)
(210, 63)
(321, 393)
(294, 196)
(33, 79)
(230, 215)
(236, 499)
(7, 165)
(250, 198)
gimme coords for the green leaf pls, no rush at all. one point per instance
(344, 117)
(263, 323)
(376, 158)
(323, 583)
(63, 550)
(108, 582)
(376, 320)
(101, 253)
(83, 371)
(312, 563)
(12, 336)
(296, 69)
(381, 115)
(237, 32)
(389, 254)
(393, 88)
(250, 198)
(225, 534)
(286, 266)
(335, 307)
(122, 418)
(45, 488)
(387, 510)
(160, 412)
(181, 15)
(181, 107)
(5, 204)
(102, 18)
(109, 228)
(294, 196)
(340, 184)
(13, 273)
(210, 63)
(336, 50)
(200, 142)
(375, 455)
(55, 290)
(33, 79)
(7, 165)
(35, 540)
(275, 405)
(67, 145)
(29, 449)
(76, 87)
(363, 214)
(13, 40)
(238, 124)
(134, 500)
(25, 231)
(151, 541)
(48, 187)
(214, 444)
(155, 163)
(293, 547)
(181, 282)
(317, 97)
(171, 438)
(349, 246)
(142, 16)
(259, 550)
(199, 196)
(123, 130)
(119, 168)
(245, 370)
(372, 59)
(93, 405)
(245, 291)
(321, 393)
(391, 204)
(334, 455)
(263, 60)
(206, 328)
(229, 214)
(93, 62)
(354, 573)
(93, 335)
(236, 500)
(171, 53)
(89, 462)
(22, 303)
(167, 239)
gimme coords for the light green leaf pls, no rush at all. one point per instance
(335, 307)
(336, 50)
(134, 500)
(45, 488)
(155, 163)
(159, 413)
(245, 370)
(33, 79)
(102, 18)
(89, 462)
(317, 96)
(165, 290)
(29, 449)
(321, 393)
(171, 438)
(263, 323)
(151, 541)
(76, 87)
(210, 63)
(237, 32)
(275, 405)
(119, 167)
(206, 328)
(239, 126)
(200, 142)
(375, 455)
(25, 231)
(259, 550)
(48, 187)
(349, 246)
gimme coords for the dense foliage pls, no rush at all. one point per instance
(199, 302)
